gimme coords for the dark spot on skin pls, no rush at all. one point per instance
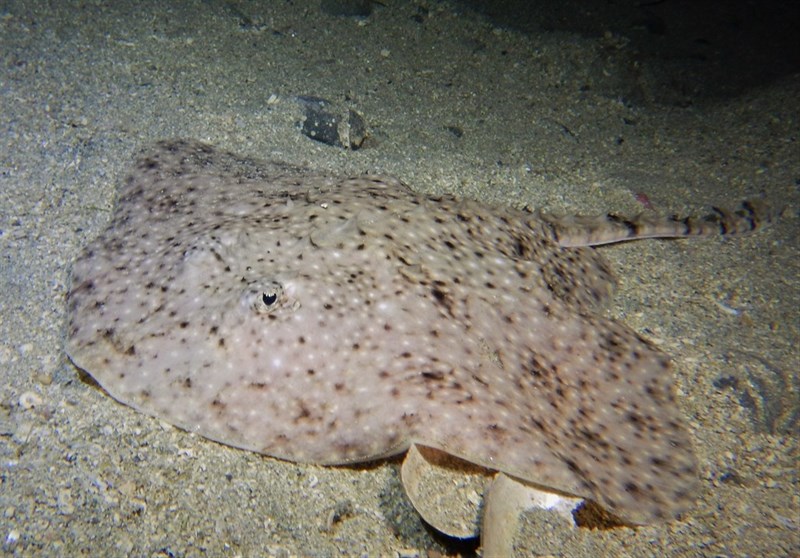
(631, 488)
(657, 461)
(633, 418)
(149, 164)
(304, 412)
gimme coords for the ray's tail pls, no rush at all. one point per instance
(582, 230)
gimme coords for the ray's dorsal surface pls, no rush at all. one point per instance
(328, 320)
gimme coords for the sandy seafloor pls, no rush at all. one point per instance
(577, 110)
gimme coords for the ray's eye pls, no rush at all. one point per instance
(263, 296)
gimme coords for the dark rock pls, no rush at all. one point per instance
(319, 124)
(331, 125)
(357, 132)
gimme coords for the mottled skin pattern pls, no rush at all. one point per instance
(333, 321)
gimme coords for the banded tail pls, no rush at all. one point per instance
(582, 230)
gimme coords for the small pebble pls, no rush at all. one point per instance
(29, 400)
